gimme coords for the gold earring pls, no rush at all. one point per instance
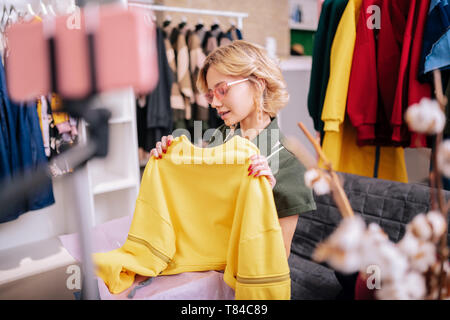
(260, 111)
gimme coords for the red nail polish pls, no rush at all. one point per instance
(160, 156)
(250, 172)
(164, 151)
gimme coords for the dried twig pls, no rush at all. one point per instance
(338, 193)
(443, 207)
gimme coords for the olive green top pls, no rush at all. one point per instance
(290, 193)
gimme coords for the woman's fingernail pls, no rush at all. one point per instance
(160, 156)
(164, 151)
(250, 172)
(249, 168)
(169, 143)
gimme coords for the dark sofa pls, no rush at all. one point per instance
(390, 204)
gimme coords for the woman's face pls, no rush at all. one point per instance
(238, 103)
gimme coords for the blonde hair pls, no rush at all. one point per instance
(244, 59)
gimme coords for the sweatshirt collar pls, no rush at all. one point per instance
(268, 140)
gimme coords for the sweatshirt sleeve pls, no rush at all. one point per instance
(333, 112)
(362, 102)
(257, 266)
(150, 244)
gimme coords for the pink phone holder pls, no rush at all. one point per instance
(109, 47)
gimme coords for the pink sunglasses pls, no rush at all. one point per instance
(221, 90)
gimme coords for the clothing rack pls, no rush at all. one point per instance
(239, 15)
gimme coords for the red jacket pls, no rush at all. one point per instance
(383, 80)
(417, 90)
(392, 61)
(362, 98)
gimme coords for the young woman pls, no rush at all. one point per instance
(247, 89)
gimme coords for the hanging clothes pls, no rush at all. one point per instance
(384, 74)
(210, 42)
(340, 141)
(394, 41)
(362, 100)
(224, 39)
(200, 31)
(328, 22)
(159, 118)
(21, 151)
(183, 75)
(44, 121)
(176, 98)
(416, 89)
(234, 33)
(197, 58)
(436, 42)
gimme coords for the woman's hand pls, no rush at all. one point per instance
(161, 147)
(260, 167)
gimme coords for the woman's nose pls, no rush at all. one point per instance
(216, 102)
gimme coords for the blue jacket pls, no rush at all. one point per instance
(436, 42)
(21, 149)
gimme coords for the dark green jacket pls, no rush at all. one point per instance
(330, 16)
(290, 193)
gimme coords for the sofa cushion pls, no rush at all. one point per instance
(390, 204)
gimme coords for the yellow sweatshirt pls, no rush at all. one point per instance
(340, 140)
(198, 210)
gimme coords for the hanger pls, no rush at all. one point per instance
(183, 23)
(50, 8)
(13, 18)
(167, 21)
(215, 24)
(30, 9)
(43, 9)
(5, 11)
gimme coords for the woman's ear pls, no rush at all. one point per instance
(262, 83)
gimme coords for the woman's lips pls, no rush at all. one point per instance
(223, 114)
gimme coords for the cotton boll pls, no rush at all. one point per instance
(311, 176)
(425, 257)
(321, 187)
(425, 117)
(410, 287)
(342, 248)
(350, 262)
(315, 180)
(392, 262)
(392, 291)
(420, 227)
(373, 238)
(443, 158)
(349, 234)
(409, 245)
(438, 224)
(414, 286)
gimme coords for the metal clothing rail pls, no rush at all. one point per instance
(239, 15)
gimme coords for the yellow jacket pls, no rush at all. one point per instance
(198, 210)
(340, 141)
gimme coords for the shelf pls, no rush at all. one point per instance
(114, 205)
(113, 184)
(120, 120)
(302, 26)
(117, 120)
